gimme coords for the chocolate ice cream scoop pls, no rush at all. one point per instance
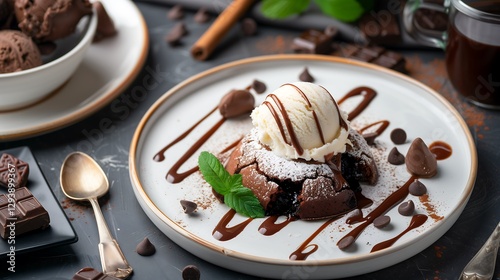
(49, 20)
(17, 52)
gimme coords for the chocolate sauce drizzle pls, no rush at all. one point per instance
(416, 221)
(222, 232)
(269, 227)
(368, 96)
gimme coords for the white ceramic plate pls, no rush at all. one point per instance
(107, 69)
(401, 100)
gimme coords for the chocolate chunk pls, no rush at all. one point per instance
(305, 76)
(398, 136)
(201, 16)
(236, 103)
(13, 171)
(380, 27)
(420, 161)
(381, 221)
(176, 33)
(176, 13)
(370, 137)
(373, 54)
(417, 188)
(406, 208)
(248, 26)
(27, 215)
(89, 273)
(395, 157)
(105, 25)
(312, 41)
(188, 206)
(145, 248)
(259, 86)
(191, 272)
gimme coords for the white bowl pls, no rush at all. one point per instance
(27, 87)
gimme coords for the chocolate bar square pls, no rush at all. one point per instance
(373, 54)
(312, 41)
(89, 273)
(21, 212)
(13, 171)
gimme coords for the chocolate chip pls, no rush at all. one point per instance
(236, 103)
(188, 206)
(176, 12)
(145, 248)
(398, 136)
(191, 272)
(259, 86)
(201, 16)
(417, 188)
(176, 33)
(381, 221)
(305, 76)
(345, 242)
(406, 208)
(248, 26)
(395, 157)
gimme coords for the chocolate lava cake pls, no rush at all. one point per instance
(307, 190)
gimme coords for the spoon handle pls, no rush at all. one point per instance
(112, 259)
(482, 265)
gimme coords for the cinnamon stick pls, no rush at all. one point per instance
(202, 49)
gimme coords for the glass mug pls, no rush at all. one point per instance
(471, 44)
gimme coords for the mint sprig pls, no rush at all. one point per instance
(236, 196)
(343, 10)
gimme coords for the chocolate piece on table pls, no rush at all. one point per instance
(145, 248)
(312, 41)
(176, 12)
(191, 272)
(21, 212)
(14, 169)
(201, 16)
(176, 33)
(373, 54)
(380, 27)
(248, 26)
(89, 273)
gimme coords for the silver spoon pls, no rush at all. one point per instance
(83, 179)
(482, 265)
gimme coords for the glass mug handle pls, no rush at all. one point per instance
(438, 40)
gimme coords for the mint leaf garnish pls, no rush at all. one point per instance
(236, 196)
(343, 10)
(280, 9)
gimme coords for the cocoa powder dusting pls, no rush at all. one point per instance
(431, 211)
(434, 75)
(274, 44)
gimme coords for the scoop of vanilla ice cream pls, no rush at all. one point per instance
(301, 120)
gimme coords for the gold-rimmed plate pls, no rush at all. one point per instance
(404, 102)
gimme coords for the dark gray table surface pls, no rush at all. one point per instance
(444, 259)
